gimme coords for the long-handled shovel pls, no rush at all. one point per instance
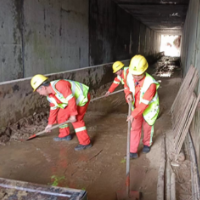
(94, 99)
(56, 126)
(127, 194)
(42, 132)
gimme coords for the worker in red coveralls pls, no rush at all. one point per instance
(120, 71)
(141, 91)
(68, 101)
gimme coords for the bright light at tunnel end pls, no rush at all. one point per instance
(170, 44)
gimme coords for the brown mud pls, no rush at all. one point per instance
(100, 170)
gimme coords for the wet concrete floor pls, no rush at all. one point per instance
(100, 170)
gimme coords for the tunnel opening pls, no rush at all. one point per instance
(171, 45)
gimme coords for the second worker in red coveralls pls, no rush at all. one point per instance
(141, 90)
(120, 71)
(68, 101)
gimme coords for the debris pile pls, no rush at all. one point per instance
(24, 127)
(166, 66)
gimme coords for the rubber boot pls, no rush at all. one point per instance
(82, 147)
(146, 149)
(133, 155)
(66, 138)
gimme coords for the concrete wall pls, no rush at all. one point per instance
(11, 66)
(17, 99)
(43, 36)
(190, 54)
(116, 35)
(148, 43)
(48, 36)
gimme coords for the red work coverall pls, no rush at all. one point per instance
(116, 82)
(62, 115)
(139, 120)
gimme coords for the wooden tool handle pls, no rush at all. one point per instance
(56, 126)
(53, 127)
(106, 96)
(128, 152)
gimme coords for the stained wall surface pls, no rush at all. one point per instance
(115, 34)
(42, 36)
(11, 62)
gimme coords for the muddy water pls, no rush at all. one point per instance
(100, 170)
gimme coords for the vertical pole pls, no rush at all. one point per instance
(128, 154)
(173, 186)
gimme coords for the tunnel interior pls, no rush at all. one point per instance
(80, 40)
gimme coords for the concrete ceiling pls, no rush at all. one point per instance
(165, 16)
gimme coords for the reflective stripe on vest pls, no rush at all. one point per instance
(63, 126)
(120, 78)
(131, 85)
(116, 82)
(56, 105)
(79, 91)
(151, 112)
(125, 71)
(53, 107)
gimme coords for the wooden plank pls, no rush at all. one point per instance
(186, 81)
(161, 173)
(181, 123)
(184, 96)
(181, 109)
(184, 133)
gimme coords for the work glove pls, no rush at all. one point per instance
(107, 94)
(48, 127)
(72, 119)
(130, 118)
(129, 98)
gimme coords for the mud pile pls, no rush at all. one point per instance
(24, 127)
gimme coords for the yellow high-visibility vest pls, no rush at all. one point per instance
(151, 112)
(120, 78)
(79, 91)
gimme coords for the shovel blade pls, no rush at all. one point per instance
(31, 137)
(133, 195)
